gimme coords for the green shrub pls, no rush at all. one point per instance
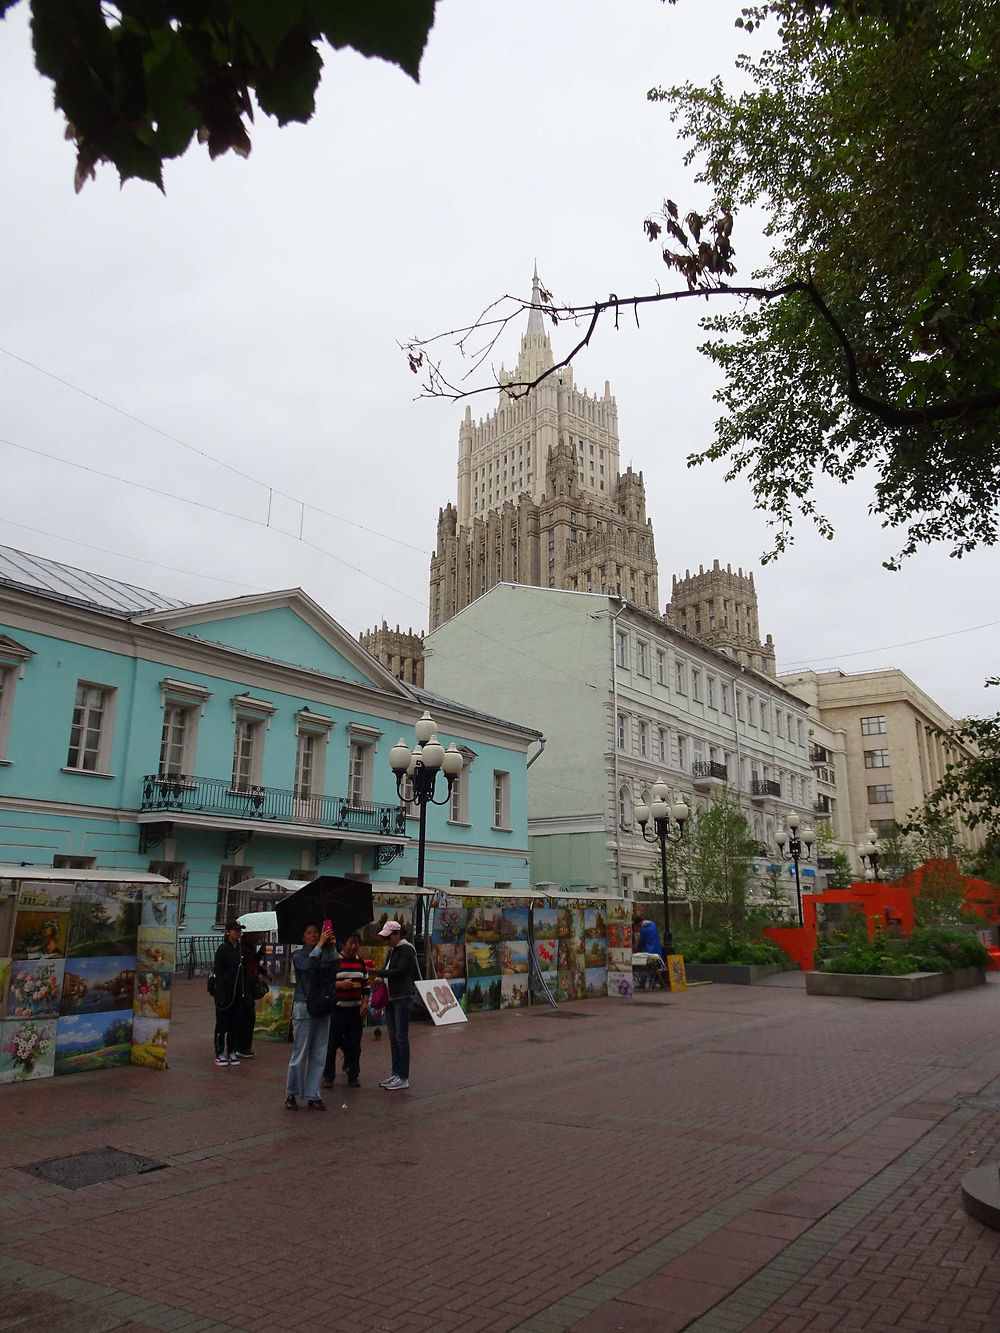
(927, 949)
(725, 947)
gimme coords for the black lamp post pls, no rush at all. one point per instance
(868, 851)
(790, 843)
(416, 773)
(668, 823)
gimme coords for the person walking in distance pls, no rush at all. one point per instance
(232, 991)
(348, 1019)
(400, 973)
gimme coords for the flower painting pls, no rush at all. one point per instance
(449, 925)
(34, 988)
(152, 994)
(27, 1050)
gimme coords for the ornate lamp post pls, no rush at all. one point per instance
(790, 843)
(868, 851)
(668, 823)
(416, 773)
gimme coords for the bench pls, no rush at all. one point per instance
(201, 950)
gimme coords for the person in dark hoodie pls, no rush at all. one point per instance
(232, 994)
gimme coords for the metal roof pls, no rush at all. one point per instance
(18, 569)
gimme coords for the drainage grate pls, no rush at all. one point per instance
(90, 1168)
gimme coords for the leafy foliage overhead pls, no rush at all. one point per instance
(137, 80)
(970, 788)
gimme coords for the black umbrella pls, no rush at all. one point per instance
(346, 903)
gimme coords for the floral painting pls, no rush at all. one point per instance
(27, 1049)
(619, 936)
(152, 994)
(149, 1042)
(93, 1041)
(449, 925)
(159, 911)
(34, 987)
(40, 933)
(97, 985)
(546, 955)
(620, 985)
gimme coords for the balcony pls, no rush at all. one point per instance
(216, 803)
(762, 788)
(707, 774)
(817, 755)
(823, 805)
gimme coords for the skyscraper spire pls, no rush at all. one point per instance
(536, 325)
(536, 351)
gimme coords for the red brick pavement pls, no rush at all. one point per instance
(724, 1158)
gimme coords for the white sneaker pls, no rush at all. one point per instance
(222, 1062)
(386, 1081)
(233, 1060)
(397, 1085)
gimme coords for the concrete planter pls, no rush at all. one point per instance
(912, 986)
(732, 974)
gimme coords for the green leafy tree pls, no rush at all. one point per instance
(138, 81)
(713, 863)
(870, 339)
(970, 789)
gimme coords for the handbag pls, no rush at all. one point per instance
(379, 998)
(259, 986)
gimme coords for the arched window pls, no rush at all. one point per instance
(624, 808)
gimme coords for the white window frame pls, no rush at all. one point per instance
(312, 733)
(641, 657)
(188, 698)
(458, 807)
(105, 730)
(663, 744)
(13, 657)
(501, 800)
(680, 676)
(661, 667)
(695, 685)
(249, 733)
(710, 687)
(725, 697)
(622, 729)
(643, 740)
(362, 746)
(621, 648)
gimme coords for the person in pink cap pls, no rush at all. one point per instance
(400, 972)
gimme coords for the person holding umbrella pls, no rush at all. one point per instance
(400, 972)
(310, 1035)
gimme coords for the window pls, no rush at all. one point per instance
(725, 698)
(710, 682)
(682, 752)
(763, 716)
(621, 648)
(739, 706)
(663, 744)
(501, 800)
(90, 734)
(644, 740)
(680, 677)
(305, 765)
(798, 723)
(247, 753)
(696, 686)
(13, 656)
(750, 713)
(661, 667)
(876, 759)
(624, 808)
(177, 873)
(60, 862)
(622, 730)
(360, 762)
(175, 741)
(884, 828)
(880, 794)
(779, 722)
(641, 658)
(456, 809)
(230, 900)
(872, 726)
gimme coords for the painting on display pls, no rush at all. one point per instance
(482, 960)
(27, 1049)
(482, 993)
(482, 925)
(619, 960)
(545, 923)
(619, 935)
(514, 923)
(97, 985)
(618, 912)
(514, 957)
(546, 955)
(449, 925)
(149, 1042)
(440, 1002)
(596, 951)
(595, 923)
(34, 987)
(459, 987)
(93, 1041)
(597, 981)
(449, 961)
(4, 974)
(156, 948)
(159, 911)
(514, 991)
(102, 926)
(40, 932)
(676, 971)
(620, 985)
(401, 912)
(152, 994)
(274, 1013)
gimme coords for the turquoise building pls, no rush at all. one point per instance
(222, 741)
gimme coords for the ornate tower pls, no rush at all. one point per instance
(720, 608)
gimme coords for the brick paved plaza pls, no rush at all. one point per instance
(721, 1159)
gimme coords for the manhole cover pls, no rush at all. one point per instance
(90, 1168)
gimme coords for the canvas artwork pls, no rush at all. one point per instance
(596, 952)
(51, 892)
(545, 923)
(482, 925)
(34, 987)
(564, 919)
(4, 974)
(618, 912)
(27, 1049)
(619, 960)
(40, 932)
(550, 980)
(514, 957)
(514, 923)
(546, 955)
(513, 992)
(97, 985)
(482, 993)
(482, 960)
(595, 923)
(159, 910)
(403, 913)
(676, 969)
(93, 1041)
(619, 936)
(449, 925)
(597, 981)
(620, 985)
(449, 961)
(156, 948)
(100, 928)
(152, 994)
(274, 1013)
(459, 986)
(149, 1042)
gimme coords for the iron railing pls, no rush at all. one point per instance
(180, 794)
(817, 755)
(821, 805)
(702, 768)
(764, 787)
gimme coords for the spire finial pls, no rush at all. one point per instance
(536, 325)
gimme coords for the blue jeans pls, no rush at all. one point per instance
(305, 1068)
(397, 1020)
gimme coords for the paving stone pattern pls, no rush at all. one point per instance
(726, 1158)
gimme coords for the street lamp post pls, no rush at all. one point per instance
(668, 823)
(416, 773)
(790, 843)
(868, 851)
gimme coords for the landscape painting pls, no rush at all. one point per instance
(98, 929)
(596, 952)
(97, 985)
(34, 987)
(482, 960)
(459, 986)
(597, 981)
(93, 1041)
(551, 981)
(149, 1042)
(617, 912)
(483, 925)
(545, 923)
(595, 923)
(514, 957)
(514, 923)
(274, 1013)
(482, 993)
(27, 1049)
(619, 960)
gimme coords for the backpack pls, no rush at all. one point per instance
(322, 998)
(210, 983)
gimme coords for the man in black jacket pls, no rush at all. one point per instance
(232, 995)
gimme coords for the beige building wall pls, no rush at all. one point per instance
(893, 763)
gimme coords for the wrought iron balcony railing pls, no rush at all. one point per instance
(702, 768)
(817, 755)
(821, 805)
(764, 787)
(179, 794)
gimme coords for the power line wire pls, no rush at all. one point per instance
(910, 643)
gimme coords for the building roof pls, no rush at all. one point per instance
(18, 569)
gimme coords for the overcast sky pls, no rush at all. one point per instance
(253, 315)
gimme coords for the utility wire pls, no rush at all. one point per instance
(910, 643)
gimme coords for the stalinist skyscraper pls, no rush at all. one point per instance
(540, 497)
